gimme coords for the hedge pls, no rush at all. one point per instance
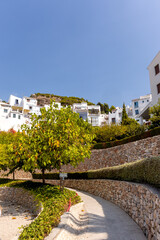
(149, 133)
(142, 171)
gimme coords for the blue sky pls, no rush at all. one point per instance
(95, 49)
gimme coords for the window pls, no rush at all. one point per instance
(158, 88)
(28, 100)
(30, 108)
(120, 115)
(113, 120)
(19, 116)
(16, 101)
(156, 68)
(142, 101)
(147, 100)
(136, 112)
(14, 115)
(135, 104)
(5, 110)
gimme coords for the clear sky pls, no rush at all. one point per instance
(95, 49)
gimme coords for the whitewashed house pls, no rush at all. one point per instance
(104, 119)
(139, 106)
(115, 117)
(10, 118)
(88, 112)
(154, 75)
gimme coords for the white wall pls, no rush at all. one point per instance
(117, 115)
(154, 79)
(15, 123)
(12, 101)
(143, 101)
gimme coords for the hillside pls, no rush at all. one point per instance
(44, 98)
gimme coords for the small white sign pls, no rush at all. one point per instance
(63, 175)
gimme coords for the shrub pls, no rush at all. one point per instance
(54, 204)
(142, 171)
(143, 135)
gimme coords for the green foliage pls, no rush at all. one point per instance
(64, 100)
(109, 133)
(104, 107)
(141, 135)
(9, 154)
(114, 132)
(124, 116)
(146, 171)
(112, 108)
(142, 171)
(155, 115)
(54, 205)
(54, 138)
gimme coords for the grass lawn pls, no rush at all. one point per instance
(54, 204)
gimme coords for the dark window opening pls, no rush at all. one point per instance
(156, 69)
(158, 88)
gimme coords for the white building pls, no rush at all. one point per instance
(10, 118)
(104, 119)
(18, 111)
(88, 112)
(154, 75)
(115, 117)
(140, 105)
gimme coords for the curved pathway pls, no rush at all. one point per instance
(106, 221)
(13, 216)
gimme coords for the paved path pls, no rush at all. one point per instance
(107, 221)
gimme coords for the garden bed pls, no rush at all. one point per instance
(54, 201)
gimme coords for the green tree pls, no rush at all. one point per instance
(102, 106)
(112, 108)
(9, 152)
(54, 138)
(155, 114)
(124, 116)
(106, 108)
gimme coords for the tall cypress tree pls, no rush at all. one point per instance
(124, 115)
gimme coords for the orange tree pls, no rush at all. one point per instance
(9, 153)
(54, 138)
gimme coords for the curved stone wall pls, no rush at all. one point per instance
(118, 155)
(108, 157)
(141, 202)
(21, 197)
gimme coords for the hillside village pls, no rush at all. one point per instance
(18, 110)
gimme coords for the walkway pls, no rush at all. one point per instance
(106, 221)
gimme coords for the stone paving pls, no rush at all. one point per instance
(12, 218)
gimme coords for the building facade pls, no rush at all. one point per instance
(139, 105)
(154, 76)
(91, 113)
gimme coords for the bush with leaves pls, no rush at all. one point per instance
(155, 115)
(54, 138)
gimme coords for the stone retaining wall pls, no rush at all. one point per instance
(20, 197)
(118, 155)
(109, 157)
(141, 202)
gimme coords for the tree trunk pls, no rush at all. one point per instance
(61, 180)
(43, 177)
(13, 174)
